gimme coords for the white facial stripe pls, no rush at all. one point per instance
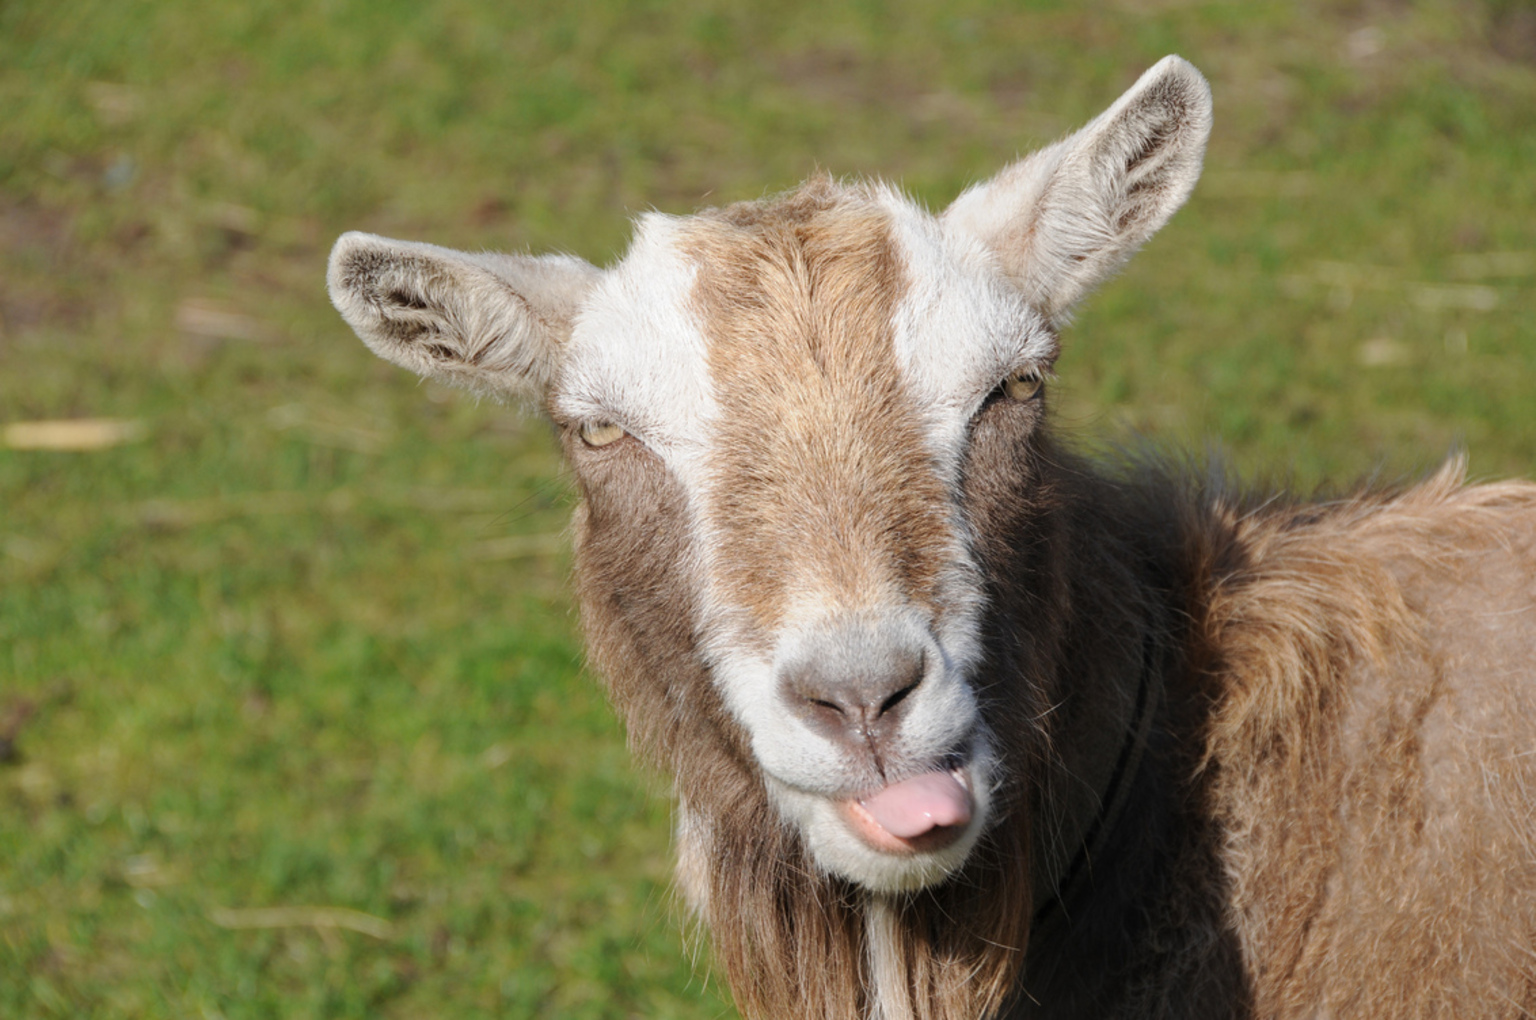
(636, 354)
(961, 327)
(639, 357)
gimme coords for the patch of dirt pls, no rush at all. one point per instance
(33, 242)
(16, 712)
(12, 718)
(842, 77)
(1512, 33)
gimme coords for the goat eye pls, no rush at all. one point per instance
(601, 433)
(1023, 385)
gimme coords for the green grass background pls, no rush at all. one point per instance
(307, 644)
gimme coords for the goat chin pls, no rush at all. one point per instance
(828, 831)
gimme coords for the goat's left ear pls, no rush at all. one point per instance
(1063, 219)
(492, 323)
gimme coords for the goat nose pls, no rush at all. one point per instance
(853, 698)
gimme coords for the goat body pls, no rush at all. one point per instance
(961, 723)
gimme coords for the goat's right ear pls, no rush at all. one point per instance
(487, 322)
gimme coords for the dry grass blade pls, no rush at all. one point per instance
(1470, 296)
(217, 322)
(73, 434)
(1488, 264)
(302, 917)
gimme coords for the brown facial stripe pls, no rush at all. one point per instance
(822, 483)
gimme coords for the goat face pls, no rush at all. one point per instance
(769, 409)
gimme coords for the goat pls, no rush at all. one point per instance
(965, 724)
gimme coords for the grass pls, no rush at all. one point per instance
(292, 714)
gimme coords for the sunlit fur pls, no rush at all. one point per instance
(1318, 715)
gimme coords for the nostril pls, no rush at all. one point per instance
(897, 698)
(829, 705)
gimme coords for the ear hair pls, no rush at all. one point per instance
(488, 322)
(1062, 220)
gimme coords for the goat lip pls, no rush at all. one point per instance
(929, 812)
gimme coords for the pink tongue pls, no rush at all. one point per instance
(913, 806)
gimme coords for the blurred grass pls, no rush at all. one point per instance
(305, 644)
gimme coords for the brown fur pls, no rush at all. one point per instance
(1334, 814)
(824, 483)
(1254, 758)
(1379, 820)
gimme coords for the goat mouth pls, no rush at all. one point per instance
(923, 814)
